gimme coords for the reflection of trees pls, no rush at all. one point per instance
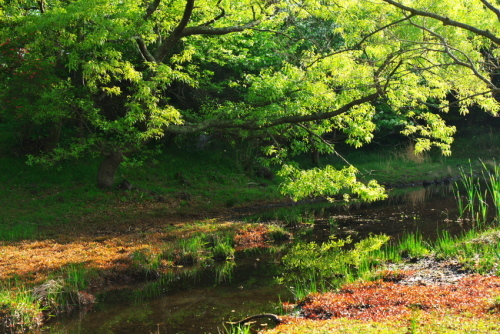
(418, 196)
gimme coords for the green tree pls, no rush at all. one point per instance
(111, 68)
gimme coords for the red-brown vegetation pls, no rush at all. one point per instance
(254, 237)
(381, 300)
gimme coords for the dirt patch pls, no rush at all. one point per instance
(429, 271)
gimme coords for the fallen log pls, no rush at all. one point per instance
(273, 317)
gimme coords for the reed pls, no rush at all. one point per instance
(492, 179)
(477, 193)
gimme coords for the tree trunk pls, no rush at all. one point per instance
(52, 139)
(315, 157)
(108, 168)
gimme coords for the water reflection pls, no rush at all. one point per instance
(427, 210)
(189, 303)
(201, 304)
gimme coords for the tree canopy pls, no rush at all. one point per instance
(107, 77)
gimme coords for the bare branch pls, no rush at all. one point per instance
(447, 21)
(448, 50)
(151, 9)
(218, 17)
(255, 125)
(492, 8)
(330, 145)
(144, 50)
(204, 30)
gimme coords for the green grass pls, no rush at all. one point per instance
(40, 199)
(19, 307)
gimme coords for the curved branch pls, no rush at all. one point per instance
(448, 50)
(492, 8)
(358, 44)
(447, 21)
(151, 9)
(204, 30)
(166, 48)
(144, 50)
(254, 125)
(176, 34)
(218, 17)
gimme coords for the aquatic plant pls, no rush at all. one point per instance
(277, 232)
(492, 178)
(479, 191)
(237, 329)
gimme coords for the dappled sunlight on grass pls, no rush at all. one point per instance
(33, 261)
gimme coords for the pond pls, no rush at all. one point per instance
(204, 301)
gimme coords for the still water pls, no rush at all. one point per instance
(204, 302)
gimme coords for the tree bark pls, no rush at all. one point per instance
(52, 140)
(108, 168)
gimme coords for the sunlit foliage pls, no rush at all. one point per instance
(112, 77)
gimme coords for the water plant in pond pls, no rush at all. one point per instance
(146, 262)
(492, 178)
(64, 291)
(277, 232)
(476, 251)
(473, 193)
(237, 329)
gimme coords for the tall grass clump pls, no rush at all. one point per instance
(413, 245)
(477, 251)
(202, 249)
(477, 193)
(221, 246)
(65, 291)
(19, 310)
(18, 231)
(237, 329)
(492, 178)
